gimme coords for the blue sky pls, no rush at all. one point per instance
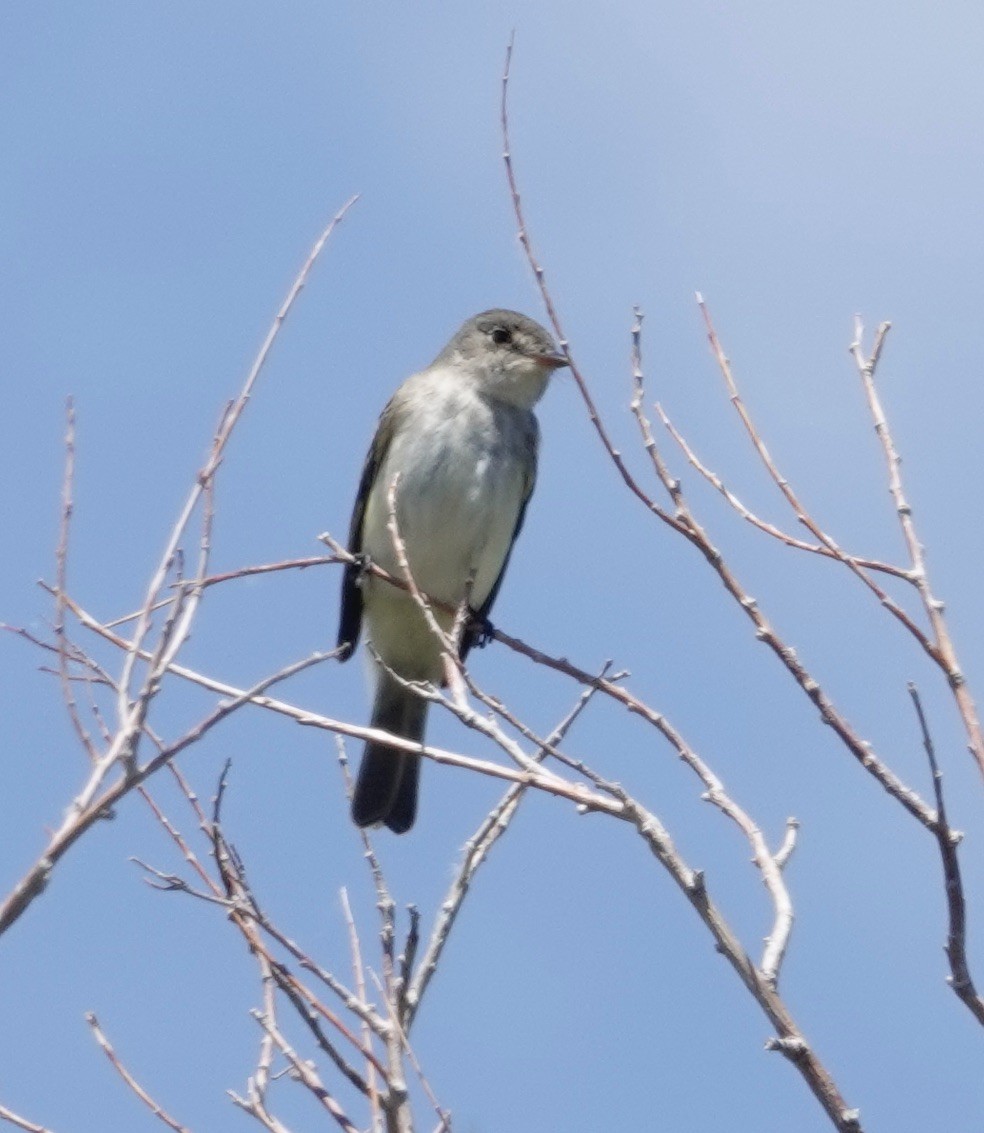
(166, 169)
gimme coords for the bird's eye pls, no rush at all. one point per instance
(500, 335)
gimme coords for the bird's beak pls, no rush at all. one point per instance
(552, 361)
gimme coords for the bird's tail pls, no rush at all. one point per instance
(386, 787)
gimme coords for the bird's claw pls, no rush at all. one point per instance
(361, 565)
(479, 631)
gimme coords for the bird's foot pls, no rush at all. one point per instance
(362, 565)
(479, 631)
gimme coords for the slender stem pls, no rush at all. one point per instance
(948, 840)
(944, 652)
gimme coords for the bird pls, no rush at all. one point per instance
(457, 444)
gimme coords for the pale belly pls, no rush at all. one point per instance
(460, 489)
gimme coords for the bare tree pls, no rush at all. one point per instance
(345, 1040)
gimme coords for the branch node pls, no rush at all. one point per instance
(45, 866)
(792, 1046)
(771, 978)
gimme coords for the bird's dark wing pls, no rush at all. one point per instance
(482, 613)
(350, 618)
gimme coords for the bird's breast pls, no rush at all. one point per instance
(463, 468)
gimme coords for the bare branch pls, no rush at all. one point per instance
(476, 851)
(524, 239)
(132, 710)
(185, 850)
(205, 582)
(859, 748)
(258, 1084)
(948, 839)
(813, 1072)
(756, 521)
(107, 1049)
(21, 1122)
(61, 575)
(790, 1040)
(305, 1073)
(358, 971)
(255, 1105)
(687, 526)
(793, 500)
(230, 419)
(785, 851)
(88, 807)
(235, 895)
(944, 652)
(402, 1044)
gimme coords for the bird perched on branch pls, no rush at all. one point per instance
(457, 445)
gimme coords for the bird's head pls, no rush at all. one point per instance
(509, 355)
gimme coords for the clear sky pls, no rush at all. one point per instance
(165, 170)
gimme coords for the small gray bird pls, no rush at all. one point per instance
(463, 440)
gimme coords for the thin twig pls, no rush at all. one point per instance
(802, 515)
(524, 239)
(61, 576)
(228, 576)
(246, 915)
(358, 971)
(107, 1049)
(756, 521)
(400, 1036)
(255, 1105)
(176, 836)
(236, 895)
(944, 653)
(259, 1082)
(22, 1122)
(476, 851)
(88, 807)
(785, 851)
(948, 840)
(305, 1073)
(211, 465)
